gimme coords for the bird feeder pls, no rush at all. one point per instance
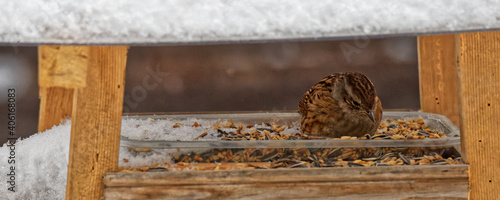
(83, 53)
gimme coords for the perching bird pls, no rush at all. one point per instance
(342, 104)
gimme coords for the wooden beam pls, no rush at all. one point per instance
(96, 123)
(60, 70)
(55, 106)
(479, 89)
(63, 66)
(438, 75)
(398, 182)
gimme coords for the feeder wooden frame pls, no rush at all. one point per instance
(459, 78)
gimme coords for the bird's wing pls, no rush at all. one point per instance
(322, 88)
(303, 103)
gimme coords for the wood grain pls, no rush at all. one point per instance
(60, 68)
(444, 189)
(96, 123)
(438, 75)
(449, 182)
(479, 88)
(55, 106)
(63, 66)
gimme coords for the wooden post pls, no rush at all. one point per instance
(61, 69)
(96, 122)
(438, 75)
(479, 89)
(55, 106)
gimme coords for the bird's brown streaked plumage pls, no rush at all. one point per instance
(342, 104)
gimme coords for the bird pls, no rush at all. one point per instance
(341, 104)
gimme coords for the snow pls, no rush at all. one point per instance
(42, 159)
(41, 165)
(150, 129)
(180, 21)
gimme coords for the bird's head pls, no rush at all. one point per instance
(357, 92)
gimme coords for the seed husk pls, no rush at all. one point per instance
(324, 157)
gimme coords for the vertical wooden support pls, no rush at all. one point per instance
(55, 106)
(96, 123)
(479, 89)
(438, 75)
(61, 69)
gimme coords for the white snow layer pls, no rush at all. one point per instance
(178, 21)
(41, 166)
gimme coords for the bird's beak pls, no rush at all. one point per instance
(370, 115)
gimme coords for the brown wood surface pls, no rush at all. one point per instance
(479, 88)
(63, 66)
(55, 106)
(438, 75)
(60, 68)
(96, 123)
(410, 182)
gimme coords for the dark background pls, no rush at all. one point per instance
(269, 76)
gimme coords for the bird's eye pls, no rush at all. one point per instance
(355, 103)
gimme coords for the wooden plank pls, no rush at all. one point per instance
(60, 69)
(442, 189)
(479, 88)
(324, 183)
(120, 179)
(96, 123)
(438, 75)
(63, 66)
(55, 106)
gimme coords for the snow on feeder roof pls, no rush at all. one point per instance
(218, 21)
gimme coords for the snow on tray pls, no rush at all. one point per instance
(42, 159)
(186, 129)
(179, 21)
(150, 129)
